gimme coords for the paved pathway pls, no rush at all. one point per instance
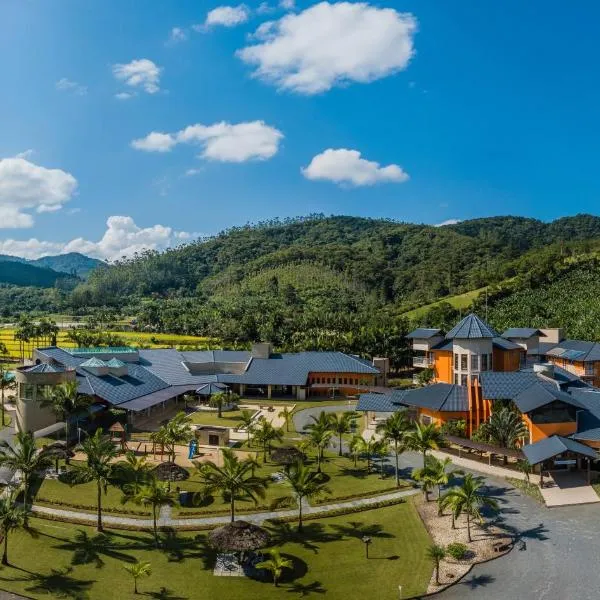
(565, 489)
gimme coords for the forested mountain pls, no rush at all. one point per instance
(73, 263)
(23, 274)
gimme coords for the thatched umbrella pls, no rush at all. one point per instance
(287, 455)
(239, 536)
(170, 471)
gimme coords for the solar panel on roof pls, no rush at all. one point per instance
(556, 351)
(573, 354)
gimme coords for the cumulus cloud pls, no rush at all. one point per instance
(66, 85)
(141, 73)
(225, 142)
(121, 238)
(448, 222)
(343, 166)
(177, 35)
(331, 44)
(25, 186)
(225, 16)
(25, 154)
(287, 4)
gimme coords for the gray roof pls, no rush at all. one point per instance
(471, 327)
(538, 395)
(522, 333)
(44, 368)
(553, 446)
(423, 333)
(376, 403)
(507, 385)
(445, 397)
(503, 344)
(443, 345)
(208, 389)
(574, 350)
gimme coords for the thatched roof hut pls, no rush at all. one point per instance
(169, 471)
(287, 455)
(239, 536)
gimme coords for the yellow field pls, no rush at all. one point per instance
(132, 338)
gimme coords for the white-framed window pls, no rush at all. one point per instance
(484, 362)
(464, 362)
(475, 362)
(463, 379)
(456, 362)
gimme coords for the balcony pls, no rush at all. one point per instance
(422, 362)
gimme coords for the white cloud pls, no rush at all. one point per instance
(227, 16)
(448, 222)
(66, 85)
(222, 141)
(192, 172)
(121, 238)
(177, 35)
(141, 73)
(331, 44)
(25, 154)
(25, 186)
(264, 8)
(155, 142)
(347, 167)
(124, 95)
(287, 4)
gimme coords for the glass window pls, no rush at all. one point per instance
(456, 362)
(28, 391)
(464, 362)
(463, 379)
(490, 365)
(456, 378)
(484, 362)
(475, 362)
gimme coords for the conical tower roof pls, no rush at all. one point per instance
(471, 327)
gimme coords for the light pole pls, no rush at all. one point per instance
(367, 541)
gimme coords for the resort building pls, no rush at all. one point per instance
(475, 370)
(138, 380)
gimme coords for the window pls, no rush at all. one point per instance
(456, 362)
(463, 379)
(475, 362)
(329, 380)
(456, 378)
(345, 381)
(28, 390)
(490, 365)
(464, 362)
(484, 362)
(589, 369)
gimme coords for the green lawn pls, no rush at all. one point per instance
(230, 418)
(68, 561)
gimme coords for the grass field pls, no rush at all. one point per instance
(460, 301)
(70, 561)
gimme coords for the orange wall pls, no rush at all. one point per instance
(438, 418)
(507, 360)
(443, 366)
(539, 432)
(578, 368)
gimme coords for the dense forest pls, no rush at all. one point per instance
(347, 282)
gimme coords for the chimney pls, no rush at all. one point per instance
(383, 364)
(262, 350)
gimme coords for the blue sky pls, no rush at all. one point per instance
(470, 109)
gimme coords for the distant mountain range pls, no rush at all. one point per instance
(72, 263)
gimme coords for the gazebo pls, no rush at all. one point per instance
(208, 389)
(287, 455)
(118, 433)
(239, 536)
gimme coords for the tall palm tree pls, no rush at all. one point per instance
(275, 564)
(303, 483)
(286, 415)
(234, 479)
(11, 517)
(357, 447)
(177, 431)
(436, 553)
(394, 429)
(423, 438)
(341, 424)
(469, 499)
(265, 434)
(99, 467)
(65, 400)
(319, 438)
(157, 495)
(441, 473)
(451, 502)
(24, 456)
(380, 448)
(247, 422)
(425, 477)
(132, 473)
(505, 427)
(138, 570)
(5, 383)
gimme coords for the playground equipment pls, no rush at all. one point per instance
(193, 448)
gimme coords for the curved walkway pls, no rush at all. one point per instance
(166, 520)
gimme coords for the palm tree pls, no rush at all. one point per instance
(423, 438)
(505, 427)
(469, 499)
(132, 473)
(425, 477)
(157, 495)
(303, 483)
(451, 502)
(64, 400)
(99, 467)
(24, 456)
(380, 448)
(11, 517)
(357, 447)
(319, 438)
(265, 434)
(441, 474)
(247, 422)
(341, 424)
(219, 399)
(393, 429)
(436, 554)
(5, 382)
(177, 431)
(275, 564)
(234, 479)
(286, 415)
(525, 467)
(138, 570)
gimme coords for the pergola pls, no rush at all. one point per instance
(483, 448)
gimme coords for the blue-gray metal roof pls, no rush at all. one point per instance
(574, 350)
(504, 344)
(471, 327)
(538, 395)
(506, 385)
(44, 368)
(208, 389)
(553, 446)
(376, 403)
(445, 397)
(522, 333)
(443, 345)
(423, 333)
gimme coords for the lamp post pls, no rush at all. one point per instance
(367, 541)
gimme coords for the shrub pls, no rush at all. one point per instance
(456, 550)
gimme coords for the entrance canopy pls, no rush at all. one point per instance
(554, 446)
(209, 389)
